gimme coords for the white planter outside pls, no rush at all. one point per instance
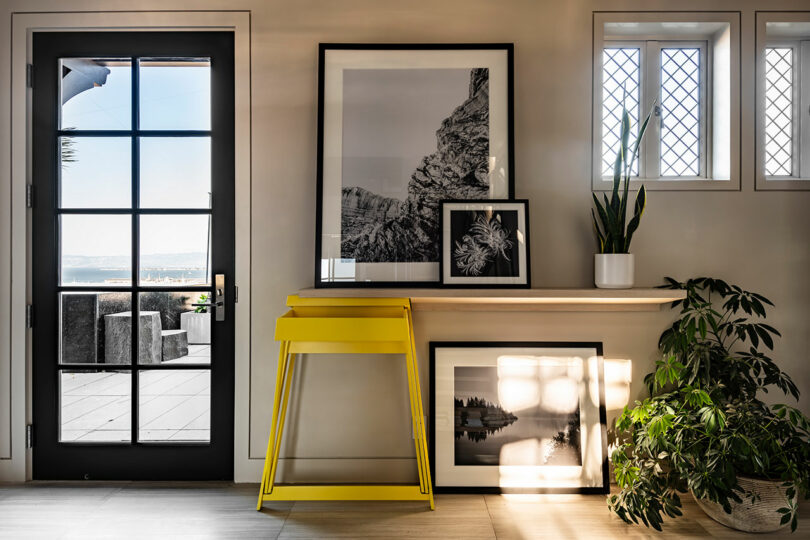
(614, 270)
(761, 516)
(198, 327)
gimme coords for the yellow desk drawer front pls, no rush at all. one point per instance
(354, 326)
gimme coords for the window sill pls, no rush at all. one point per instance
(680, 184)
(782, 184)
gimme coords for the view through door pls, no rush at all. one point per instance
(133, 220)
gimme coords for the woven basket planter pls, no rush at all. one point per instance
(761, 516)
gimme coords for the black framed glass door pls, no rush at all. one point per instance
(133, 257)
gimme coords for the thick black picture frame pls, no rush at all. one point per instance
(322, 48)
(433, 345)
(136, 460)
(442, 247)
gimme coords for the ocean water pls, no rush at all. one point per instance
(95, 276)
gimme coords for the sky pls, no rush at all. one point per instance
(175, 172)
(390, 119)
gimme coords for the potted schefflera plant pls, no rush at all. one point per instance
(704, 429)
(614, 265)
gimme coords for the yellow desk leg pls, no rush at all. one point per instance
(420, 417)
(287, 384)
(280, 377)
(409, 358)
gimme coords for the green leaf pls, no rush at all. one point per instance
(640, 136)
(641, 204)
(600, 238)
(766, 337)
(770, 329)
(615, 202)
(762, 298)
(660, 425)
(752, 335)
(611, 226)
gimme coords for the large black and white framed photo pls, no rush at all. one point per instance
(485, 244)
(401, 128)
(518, 417)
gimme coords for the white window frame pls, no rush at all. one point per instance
(651, 45)
(800, 179)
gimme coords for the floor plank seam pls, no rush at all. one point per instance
(284, 523)
(489, 514)
(95, 513)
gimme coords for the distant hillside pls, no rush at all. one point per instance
(160, 260)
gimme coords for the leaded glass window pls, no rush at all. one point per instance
(621, 84)
(779, 62)
(680, 111)
(672, 75)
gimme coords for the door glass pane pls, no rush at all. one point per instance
(95, 93)
(174, 405)
(95, 406)
(175, 250)
(175, 93)
(95, 172)
(180, 333)
(175, 172)
(91, 330)
(95, 249)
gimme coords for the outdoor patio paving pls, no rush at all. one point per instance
(175, 405)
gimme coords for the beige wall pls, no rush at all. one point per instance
(756, 239)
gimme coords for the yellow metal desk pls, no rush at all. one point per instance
(348, 326)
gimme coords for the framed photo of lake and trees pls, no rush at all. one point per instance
(402, 128)
(518, 417)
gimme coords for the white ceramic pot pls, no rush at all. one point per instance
(198, 326)
(613, 270)
(761, 516)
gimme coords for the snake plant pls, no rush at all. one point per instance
(609, 226)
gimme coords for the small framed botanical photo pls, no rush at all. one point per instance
(485, 244)
(400, 128)
(518, 417)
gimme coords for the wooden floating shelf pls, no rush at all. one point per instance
(514, 299)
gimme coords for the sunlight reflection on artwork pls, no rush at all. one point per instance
(560, 394)
(618, 376)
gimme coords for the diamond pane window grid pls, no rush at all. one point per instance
(621, 72)
(779, 111)
(680, 110)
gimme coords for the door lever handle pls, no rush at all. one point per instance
(213, 304)
(219, 298)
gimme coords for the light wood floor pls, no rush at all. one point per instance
(219, 510)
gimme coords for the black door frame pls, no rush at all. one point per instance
(53, 460)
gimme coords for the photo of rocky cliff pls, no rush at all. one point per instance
(392, 180)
